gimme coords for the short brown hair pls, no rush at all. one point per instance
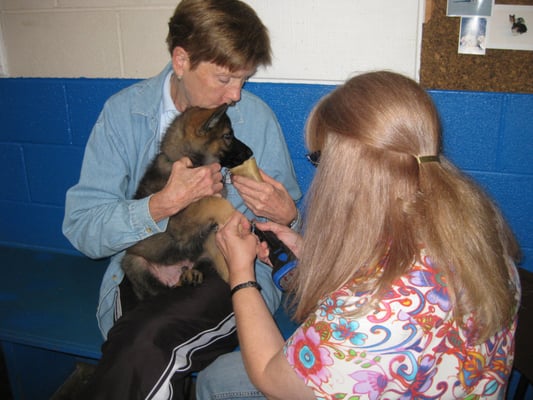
(226, 32)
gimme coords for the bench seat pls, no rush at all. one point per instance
(47, 317)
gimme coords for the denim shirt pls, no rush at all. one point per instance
(101, 218)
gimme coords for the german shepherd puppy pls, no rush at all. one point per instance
(172, 258)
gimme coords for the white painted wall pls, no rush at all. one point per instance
(315, 41)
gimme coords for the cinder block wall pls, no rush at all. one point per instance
(126, 38)
(79, 38)
(45, 124)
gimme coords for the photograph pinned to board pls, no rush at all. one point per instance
(465, 8)
(511, 28)
(472, 36)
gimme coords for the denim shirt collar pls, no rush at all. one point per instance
(148, 90)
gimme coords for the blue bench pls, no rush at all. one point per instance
(47, 318)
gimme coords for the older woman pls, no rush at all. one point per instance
(214, 46)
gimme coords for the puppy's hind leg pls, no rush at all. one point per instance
(191, 277)
(203, 216)
(159, 248)
(143, 283)
(211, 257)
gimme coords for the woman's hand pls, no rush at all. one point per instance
(268, 199)
(239, 247)
(290, 238)
(185, 186)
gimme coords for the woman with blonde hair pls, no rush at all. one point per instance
(406, 285)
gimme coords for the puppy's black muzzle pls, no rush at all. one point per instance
(236, 155)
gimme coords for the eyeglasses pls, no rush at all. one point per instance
(314, 158)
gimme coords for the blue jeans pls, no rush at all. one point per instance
(226, 377)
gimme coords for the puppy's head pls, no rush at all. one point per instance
(205, 136)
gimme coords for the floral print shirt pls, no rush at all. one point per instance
(410, 348)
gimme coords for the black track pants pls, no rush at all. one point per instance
(157, 343)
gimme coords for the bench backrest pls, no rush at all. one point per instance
(46, 122)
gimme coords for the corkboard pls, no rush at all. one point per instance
(443, 68)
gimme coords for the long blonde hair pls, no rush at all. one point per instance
(370, 198)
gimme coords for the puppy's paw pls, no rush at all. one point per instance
(191, 277)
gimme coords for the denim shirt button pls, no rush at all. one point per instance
(148, 230)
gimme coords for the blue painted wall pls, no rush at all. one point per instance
(46, 122)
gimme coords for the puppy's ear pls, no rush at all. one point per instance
(213, 120)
